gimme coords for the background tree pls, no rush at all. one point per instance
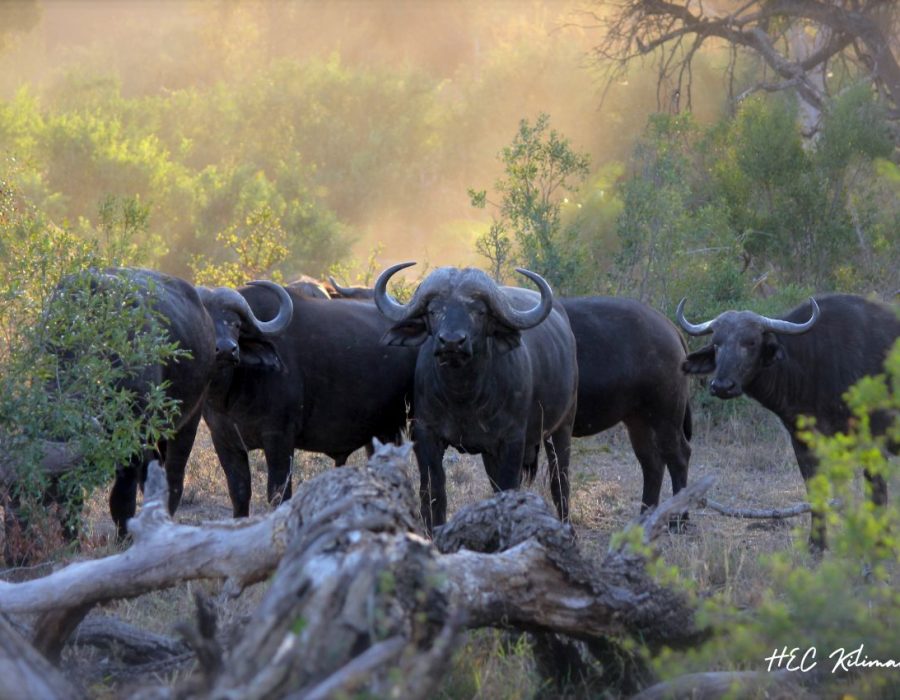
(541, 167)
(711, 212)
(17, 17)
(256, 246)
(814, 48)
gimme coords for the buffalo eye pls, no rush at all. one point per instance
(749, 344)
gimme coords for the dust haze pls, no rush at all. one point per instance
(486, 65)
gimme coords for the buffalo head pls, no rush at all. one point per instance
(240, 336)
(742, 344)
(460, 310)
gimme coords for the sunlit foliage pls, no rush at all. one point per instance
(540, 168)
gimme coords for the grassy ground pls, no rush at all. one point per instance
(746, 450)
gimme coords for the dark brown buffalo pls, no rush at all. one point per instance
(629, 371)
(209, 324)
(799, 365)
(496, 375)
(327, 385)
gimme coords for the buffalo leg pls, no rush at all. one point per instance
(808, 464)
(279, 449)
(643, 442)
(505, 468)
(233, 458)
(177, 451)
(429, 449)
(878, 487)
(676, 451)
(123, 496)
(558, 449)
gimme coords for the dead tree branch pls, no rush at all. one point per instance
(24, 673)
(360, 601)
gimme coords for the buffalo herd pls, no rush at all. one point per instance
(491, 370)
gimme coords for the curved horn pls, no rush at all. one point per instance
(789, 328)
(521, 320)
(285, 309)
(230, 299)
(690, 328)
(385, 303)
(343, 291)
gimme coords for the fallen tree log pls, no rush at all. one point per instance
(24, 673)
(53, 458)
(360, 601)
(761, 513)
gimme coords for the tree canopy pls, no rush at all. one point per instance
(813, 47)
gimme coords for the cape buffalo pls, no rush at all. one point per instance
(629, 370)
(326, 385)
(798, 365)
(496, 374)
(310, 287)
(209, 324)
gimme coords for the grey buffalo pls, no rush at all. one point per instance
(496, 375)
(799, 365)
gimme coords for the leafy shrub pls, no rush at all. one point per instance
(847, 601)
(67, 358)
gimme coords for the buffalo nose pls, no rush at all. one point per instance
(720, 387)
(227, 349)
(452, 340)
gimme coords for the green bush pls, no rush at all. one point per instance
(848, 600)
(540, 167)
(69, 361)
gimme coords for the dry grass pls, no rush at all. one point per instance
(750, 457)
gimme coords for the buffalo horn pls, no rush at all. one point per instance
(285, 309)
(343, 291)
(387, 305)
(690, 328)
(777, 325)
(520, 320)
(230, 299)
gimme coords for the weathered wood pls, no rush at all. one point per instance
(163, 554)
(24, 673)
(533, 551)
(360, 601)
(131, 644)
(762, 513)
(55, 458)
(735, 685)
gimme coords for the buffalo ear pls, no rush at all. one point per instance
(703, 361)
(260, 354)
(409, 333)
(772, 350)
(506, 338)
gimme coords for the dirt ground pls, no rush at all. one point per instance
(748, 453)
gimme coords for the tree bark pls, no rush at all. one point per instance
(24, 673)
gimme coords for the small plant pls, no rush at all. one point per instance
(541, 167)
(257, 246)
(840, 615)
